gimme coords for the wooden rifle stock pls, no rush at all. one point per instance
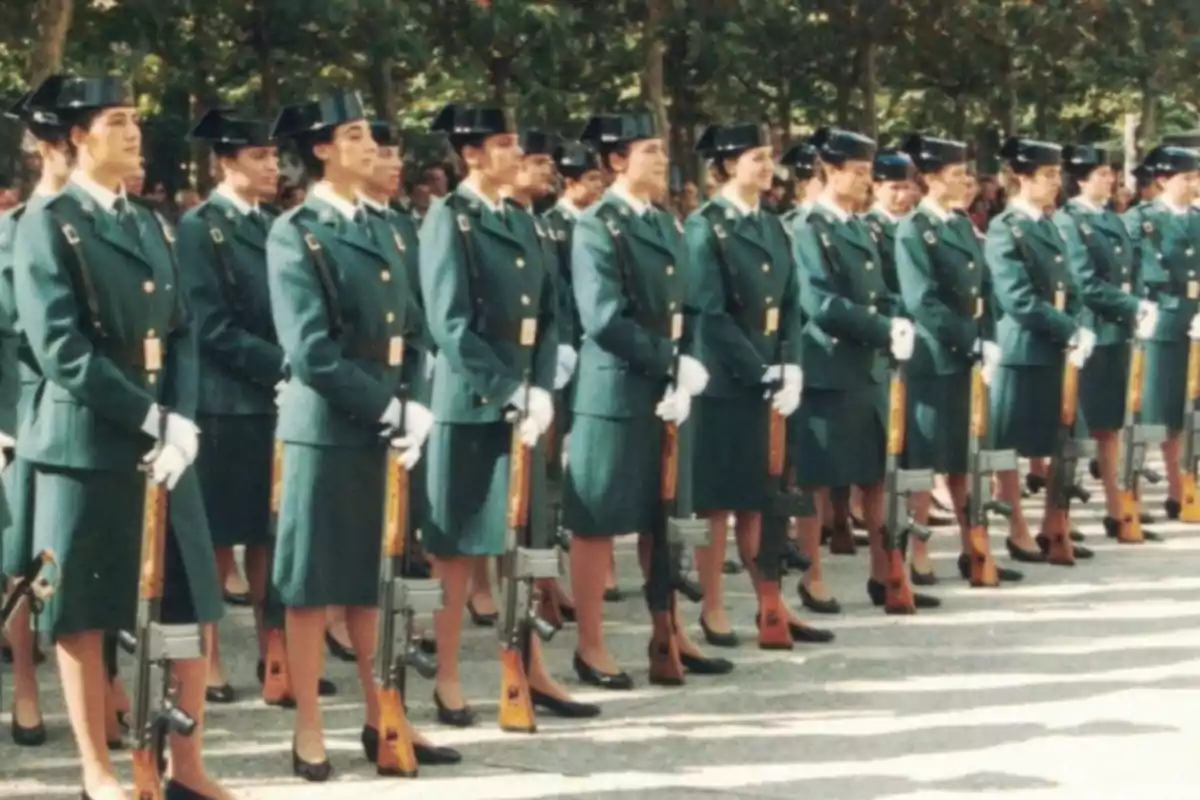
(1130, 529)
(1060, 550)
(277, 682)
(898, 596)
(982, 565)
(1190, 500)
(666, 668)
(774, 633)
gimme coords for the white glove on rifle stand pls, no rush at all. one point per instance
(279, 389)
(1147, 319)
(418, 422)
(786, 399)
(565, 368)
(1081, 346)
(7, 442)
(538, 406)
(675, 406)
(903, 339)
(182, 433)
(1194, 329)
(989, 357)
(692, 377)
(167, 465)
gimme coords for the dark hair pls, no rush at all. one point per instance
(606, 154)
(77, 119)
(314, 168)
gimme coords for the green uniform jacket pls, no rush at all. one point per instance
(883, 230)
(1100, 255)
(97, 393)
(1034, 288)
(845, 299)
(12, 374)
(743, 284)
(560, 225)
(480, 312)
(946, 288)
(631, 307)
(224, 272)
(341, 380)
(1169, 259)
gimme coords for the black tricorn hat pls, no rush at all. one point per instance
(576, 158)
(1080, 160)
(336, 108)
(719, 141)
(1026, 155)
(458, 120)
(538, 143)
(802, 159)
(931, 154)
(836, 146)
(892, 165)
(82, 94)
(607, 131)
(219, 127)
(1170, 160)
(386, 134)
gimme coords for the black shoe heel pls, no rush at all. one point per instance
(313, 773)
(617, 681)
(455, 717)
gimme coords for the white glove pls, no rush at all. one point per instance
(6, 442)
(793, 378)
(182, 433)
(567, 359)
(773, 374)
(989, 355)
(539, 410)
(675, 406)
(903, 338)
(1147, 319)
(1081, 350)
(168, 465)
(410, 450)
(418, 422)
(279, 387)
(692, 377)
(1194, 329)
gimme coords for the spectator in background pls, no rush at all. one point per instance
(290, 196)
(437, 179)
(135, 184)
(420, 196)
(10, 196)
(689, 199)
(1122, 199)
(186, 199)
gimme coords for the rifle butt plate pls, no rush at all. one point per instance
(688, 532)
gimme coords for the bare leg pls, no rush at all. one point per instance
(26, 708)
(1018, 528)
(232, 580)
(1107, 452)
(305, 636)
(363, 624)
(187, 759)
(957, 485)
(226, 568)
(710, 562)
(335, 625)
(481, 588)
(1172, 448)
(587, 579)
(84, 682)
(455, 574)
(872, 500)
(809, 536)
(257, 567)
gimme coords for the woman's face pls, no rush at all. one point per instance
(1180, 188)
(255, 170)
(113, 141)
(754, 169)
(1099, 184)
(645, 166)
(350, 154)
(851, 182)
(1042, 185)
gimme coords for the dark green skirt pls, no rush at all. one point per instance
(330, 534)
(1102, 384)
(838, 438)
(234, 467)
(729, 453)
(467, 489)
(938, 423)
(17, 535)
(92, 520)
(1165, 384)
(1025, 410)
(613, 474)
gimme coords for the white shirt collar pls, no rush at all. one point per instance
(737, 202)
(495, 208)
(1169, 206)
(229, 194)
(935, 208)
(105, 198)
(373, 204)
(889, 216)
(1026, 208)
(833, 208)
(640, 207)
(323, 191)
(572, 210)
(1087, 204)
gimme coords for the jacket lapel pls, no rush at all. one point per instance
(106, 226)
(955, 236)
(743, 228)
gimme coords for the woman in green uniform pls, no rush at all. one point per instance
(1039, 329)
(948, 292)
(222, 247)
(1165, 234)
(895, 195)
(749, 331)
(338, 299)
(490, 298)
(118, 360)
(1101, 258)
(627, 270)
(18, 381)
(838, 436)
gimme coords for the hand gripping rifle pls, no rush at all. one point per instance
(521, 567)
(1135, 439)
(669, 535)
(1190, 503)
(401, 597)
(780, 503)
(155, 646)
(982, 465)
(898, 485)
(1061, 486)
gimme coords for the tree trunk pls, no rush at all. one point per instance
(52, 19)
(783, 108)
(499, 76)
(1148, 129)
(867, 79)
(653, 79)
(260, 34)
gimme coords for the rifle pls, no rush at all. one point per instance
(669, 535)
(898, 484)
(32, 585)
(521, 567)
(1189, 510)
(155, 646)
(548, 606)
(1061, 487)
(402, 597)
(1135, 438)
(780, 504)
(277, 681)
(983, 463)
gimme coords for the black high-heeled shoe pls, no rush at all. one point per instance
(177, 791)
(456, 717)
(617, 681)
(728, 639)
(830, 606)
(313, 773)
(427, 755)
(339, 650)
(1005, 574)
(34, 736)
(877, 591)
(567, 709)
(220, 695)
(482, 620)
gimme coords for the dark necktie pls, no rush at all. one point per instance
(257, 221)
(127, 218)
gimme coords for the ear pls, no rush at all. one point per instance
(323, 151)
